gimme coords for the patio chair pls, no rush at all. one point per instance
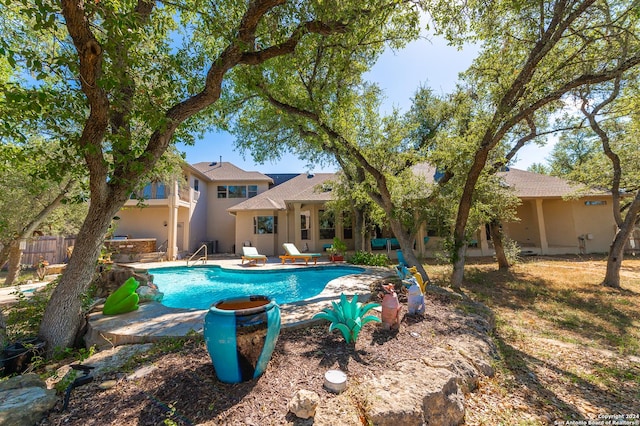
(292, 253)
(251, 255)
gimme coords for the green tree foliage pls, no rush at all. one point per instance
(316, 111)
(32, 199)
(534, 54)
(603, 154)
(129, 78)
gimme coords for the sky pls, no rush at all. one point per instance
(399, 73)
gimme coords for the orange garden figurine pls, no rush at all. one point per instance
(390, 308)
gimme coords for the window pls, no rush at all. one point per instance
(146, 192)
(196, 185)
(347, 227)
(595, 203)
(161, 191)
(222, 191)
(252, 190)
(151, 191)
(265, 225)
(327, 225)
(237, 191)
(305, 224)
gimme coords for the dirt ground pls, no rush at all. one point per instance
(182, 388)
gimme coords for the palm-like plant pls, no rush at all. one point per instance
(348, 316)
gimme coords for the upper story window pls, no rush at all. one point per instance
(161, 191)
(196, 185)
(151, 191)
(237, 191)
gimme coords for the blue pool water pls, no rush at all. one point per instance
(199, 287)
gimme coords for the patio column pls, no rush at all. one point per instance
(544, 245)
(172, 224)
(297, 224)
(483, 243)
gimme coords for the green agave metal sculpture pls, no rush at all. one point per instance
(348, 316)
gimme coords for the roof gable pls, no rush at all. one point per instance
(225, 171)
(301, 188)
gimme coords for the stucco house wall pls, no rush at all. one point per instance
(595, 223)
(147, 222)
(198, 213)
(559, 224)
(524, 231)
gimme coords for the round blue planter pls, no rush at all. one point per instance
(240, 335)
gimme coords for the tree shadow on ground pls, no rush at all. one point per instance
(587, 311)
(521, 365)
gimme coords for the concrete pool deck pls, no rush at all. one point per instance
(154, 321)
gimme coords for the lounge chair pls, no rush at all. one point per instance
(292, 253)
(251, 255)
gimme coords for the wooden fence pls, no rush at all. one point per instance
(50, 248)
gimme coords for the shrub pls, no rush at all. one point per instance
(367, 258)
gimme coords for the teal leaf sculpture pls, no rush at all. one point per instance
(348, 317)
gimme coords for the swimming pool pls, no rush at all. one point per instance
(198, 287)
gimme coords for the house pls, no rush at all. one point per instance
(181, 217)
(224, 207)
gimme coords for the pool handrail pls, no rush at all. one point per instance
(203, 258)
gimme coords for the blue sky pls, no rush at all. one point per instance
(399, 73)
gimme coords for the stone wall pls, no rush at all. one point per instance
(131, 246)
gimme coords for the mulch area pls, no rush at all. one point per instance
(182, 387)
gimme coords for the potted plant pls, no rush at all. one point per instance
(337, 250)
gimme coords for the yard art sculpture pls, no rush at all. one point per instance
(415, 299)
(124, 299)
(390, 308)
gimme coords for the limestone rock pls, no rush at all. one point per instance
(304, 403)
(24, 400)
(149, 294)
(109, 360)
(59, 376)
(416, 394)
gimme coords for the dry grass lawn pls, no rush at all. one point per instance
(570, 348)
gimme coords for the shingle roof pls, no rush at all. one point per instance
(225, 171)
(302, 188)
(534, 185)
(526, 184)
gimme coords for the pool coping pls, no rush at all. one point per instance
(153, 321)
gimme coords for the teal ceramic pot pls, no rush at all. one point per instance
(240, 335)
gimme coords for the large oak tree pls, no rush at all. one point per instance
(533, 55)
(144, 74)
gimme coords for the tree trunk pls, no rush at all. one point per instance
(616, 250)
(406, 245)
(496, 237)
(15, 256)
(63, 316)
(4, 253)
(614, 263)
(359, 229)
(457, 275)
